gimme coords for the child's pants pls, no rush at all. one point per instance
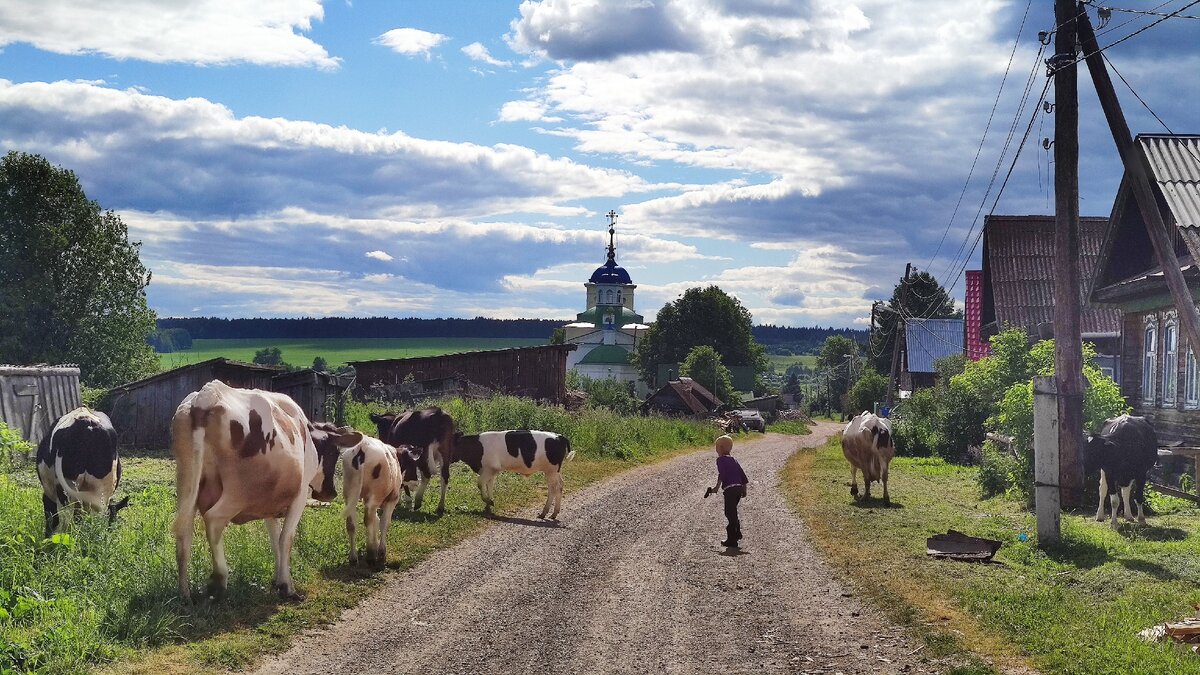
(733, 530)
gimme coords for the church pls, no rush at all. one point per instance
(607, 331)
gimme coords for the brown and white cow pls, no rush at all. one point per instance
(244, 455)
(371, 474)
(869, 446)
(77, 463)
(430, 432)
(524, 452)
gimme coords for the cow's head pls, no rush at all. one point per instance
(410, 459)
(383, 424)
(1097, 453)
(329, 440)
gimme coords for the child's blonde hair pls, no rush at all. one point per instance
(724, 445)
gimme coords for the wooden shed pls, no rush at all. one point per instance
(318, 394)
(683, 397)
(141, 411)
(532, 372)
(32, 398)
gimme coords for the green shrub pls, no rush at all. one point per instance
(12, 447)
(870, 388)
(607, 393)
(998, 470)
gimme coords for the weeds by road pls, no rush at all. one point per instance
(1073, 609)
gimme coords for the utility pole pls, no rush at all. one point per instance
(1160, 237)
(893, 384)
(1068, 346)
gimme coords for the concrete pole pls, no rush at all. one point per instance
(1045, 459)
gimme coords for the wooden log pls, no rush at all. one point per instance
(1174, 493)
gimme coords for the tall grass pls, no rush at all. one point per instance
(98, 594)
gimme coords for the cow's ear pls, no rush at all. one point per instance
(348, 440)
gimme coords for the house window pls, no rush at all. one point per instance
(1170, 364)
(608, 297)
(1149, 361)
(1191, 387)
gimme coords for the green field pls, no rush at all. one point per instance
(782, 363)
(337, 351)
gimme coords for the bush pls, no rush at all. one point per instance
(606, 393)
(12, 446)
(999, 471)
(870, 388)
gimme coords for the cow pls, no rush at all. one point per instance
(1124, 451)
(525, 452)
(77, 463)
(431, 433)
(244, 455)
(371, 473)
(869, 446)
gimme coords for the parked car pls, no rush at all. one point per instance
(752, 420)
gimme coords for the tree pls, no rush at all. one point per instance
(558, 336)
(320, 364)
(269, 356)
(703, 364)
(792, 384)
(833, 362)
(72, 286)
(926, 299)
(700, 317)
(866, 392)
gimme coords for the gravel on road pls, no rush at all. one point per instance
(632, 580)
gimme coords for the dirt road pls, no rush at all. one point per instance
(634, 581)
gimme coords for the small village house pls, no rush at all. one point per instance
(682, 398)
(923, 343)
(1158, 375)
(1018, 282)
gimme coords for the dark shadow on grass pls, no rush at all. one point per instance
(1156, 533)
(1082, 554)
(411, 516)
(1153, 569)
(529, 522)
(734, 552)
(875, 503)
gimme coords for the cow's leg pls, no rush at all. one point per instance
(1114, 500)
(887, 499)
(183, 549)
(854, 481)
(371, 521)
(1126, 496)
(283, 572)
(51, 508)
(487, 507)
(1103, 495)
(348, 512)
(1140, 496)
(385, 520)
(549, 494)
(445, 469)
(420, 496)
(557, 491)
(866, 487)
(352, 490)
(214, 528)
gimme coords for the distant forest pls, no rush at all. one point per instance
(777, 339)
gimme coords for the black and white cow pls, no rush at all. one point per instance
(1124, 451)
(77, 464)
(524, 452)
(430, 432)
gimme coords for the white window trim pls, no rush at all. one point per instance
(1149, 359)
(1170, 363)
(1191, 386)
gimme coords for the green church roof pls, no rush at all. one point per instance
(607, 354)
(621, 315)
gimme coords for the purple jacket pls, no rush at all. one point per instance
(730, 472)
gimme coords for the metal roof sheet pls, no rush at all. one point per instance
(928, 340)
(1019, 263)
(1175, 163)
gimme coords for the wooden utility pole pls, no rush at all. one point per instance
(893, 383)
(1068, 343)
(1160, 237)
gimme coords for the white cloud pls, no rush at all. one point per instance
(411, 41)
(202, 32)
(380, 255)
(477, 52)
(522, 111)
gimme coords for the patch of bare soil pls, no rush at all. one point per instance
(633, 581)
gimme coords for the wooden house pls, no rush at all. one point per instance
(1159, 376)
(682, 398)
(32, 398)
(141, 411)
(923, 343)
(533, 372)
(1018, 282)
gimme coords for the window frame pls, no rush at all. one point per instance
(1191, 385)
(1170, 362)
(1149, 359)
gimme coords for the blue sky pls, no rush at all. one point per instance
(431, 158)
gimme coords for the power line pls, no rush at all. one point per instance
(1139, 31)
(1143, 12)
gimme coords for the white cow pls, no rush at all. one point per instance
(371, 473)
(869, 446)
(525, 452)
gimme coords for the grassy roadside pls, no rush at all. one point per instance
(107, 595)
(1075, 609)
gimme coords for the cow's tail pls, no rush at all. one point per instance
(570, 453)
(187, 446)
(93, 500)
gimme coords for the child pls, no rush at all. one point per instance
(734, 480)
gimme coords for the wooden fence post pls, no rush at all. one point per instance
(1045, 459)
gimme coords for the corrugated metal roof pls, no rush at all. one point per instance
(1019, 263)
(928, 340)
(1175, 163)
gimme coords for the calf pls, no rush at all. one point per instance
(868, 445)
(244, 455)
(430, 432)
(525, 452)
(77, 463)
(1124, 451)
(371, 473)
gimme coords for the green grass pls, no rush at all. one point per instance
(1075, 608)
(108, 595)
(794, 427)
(782, 362)
(337, 351)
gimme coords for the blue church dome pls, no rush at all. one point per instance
(610, 273)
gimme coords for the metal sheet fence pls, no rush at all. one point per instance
(33, 398)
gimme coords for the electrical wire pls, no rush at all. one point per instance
(1143, 12)
(1139, 31)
